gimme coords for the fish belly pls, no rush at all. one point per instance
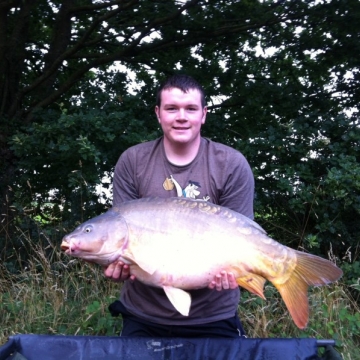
(187, 261)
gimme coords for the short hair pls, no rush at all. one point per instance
(182, 82)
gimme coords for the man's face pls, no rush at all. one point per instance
(181, 115)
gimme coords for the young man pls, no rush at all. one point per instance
(181, 163)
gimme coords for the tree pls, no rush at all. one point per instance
(282, 79)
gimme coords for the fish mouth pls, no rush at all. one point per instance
(65, 246)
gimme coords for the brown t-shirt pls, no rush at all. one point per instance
(218, 174)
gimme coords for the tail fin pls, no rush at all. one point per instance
(310, 270)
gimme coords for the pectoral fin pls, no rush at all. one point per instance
(253, 283)
(180, 299)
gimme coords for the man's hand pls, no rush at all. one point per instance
(118, 272)
(224, 281)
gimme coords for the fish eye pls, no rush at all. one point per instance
(87, 229)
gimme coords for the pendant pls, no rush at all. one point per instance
(168, 184)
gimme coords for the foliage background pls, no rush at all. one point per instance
(282, 79)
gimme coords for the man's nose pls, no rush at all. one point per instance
(182, 115)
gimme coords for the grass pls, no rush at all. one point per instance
(333, 315)
(53, 294)
(50, 293)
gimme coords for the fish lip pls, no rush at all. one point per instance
(66, 247)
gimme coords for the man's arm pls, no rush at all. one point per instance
(124, 189)
(237, 195)
(124, 183)
(238, 188)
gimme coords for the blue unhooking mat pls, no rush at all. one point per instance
(56, 347)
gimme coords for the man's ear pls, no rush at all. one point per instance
(157, 112)
(204, 115)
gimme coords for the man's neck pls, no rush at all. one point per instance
(181, 154)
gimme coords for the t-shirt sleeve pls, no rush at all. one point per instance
(124, 182)
(238, 191)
